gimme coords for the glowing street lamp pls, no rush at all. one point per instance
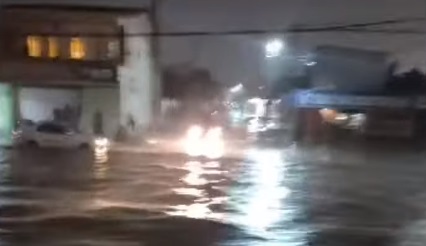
(236, 88)
(274, 48)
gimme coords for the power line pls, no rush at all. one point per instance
(387, 31)
(354, 27)
(383, 22)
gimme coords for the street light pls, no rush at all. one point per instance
(236, 88)
(310, 63)
(274, 48)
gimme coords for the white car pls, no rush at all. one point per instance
(50, 134)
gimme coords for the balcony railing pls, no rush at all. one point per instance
(59, 73)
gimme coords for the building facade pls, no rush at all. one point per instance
(348, 95)
(88, 67)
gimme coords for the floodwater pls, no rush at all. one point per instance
(287, 195)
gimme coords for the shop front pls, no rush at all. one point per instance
(366, 115)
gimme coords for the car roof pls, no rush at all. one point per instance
(51, 123)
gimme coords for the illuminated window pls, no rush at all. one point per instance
(53, 47)
(77, 48)
(34, 46)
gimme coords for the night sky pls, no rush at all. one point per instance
(240, 59)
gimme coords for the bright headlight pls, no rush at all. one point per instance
(214, 144)
(214, 149)
(101, 142)
(193, 146)
(194, 132)
(209, 144)
(214, 133)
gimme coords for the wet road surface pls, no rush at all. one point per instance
(291, 195)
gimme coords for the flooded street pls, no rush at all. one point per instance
(291, 195)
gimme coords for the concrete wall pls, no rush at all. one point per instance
(106, 101)
(136, 76)
(38, 104)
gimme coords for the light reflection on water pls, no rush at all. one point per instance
(101, 154)
(189, 192)
(258, 204)
(260, 199)
(200, 179)
(155, 185)
(101, 166)
(277, 198)
(195, 172)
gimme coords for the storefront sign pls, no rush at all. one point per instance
(313, 99)
(96, 74)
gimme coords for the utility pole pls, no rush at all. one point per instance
(155, 6)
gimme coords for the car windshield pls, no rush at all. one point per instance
(51, 128)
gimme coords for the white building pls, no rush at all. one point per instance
(79, 64)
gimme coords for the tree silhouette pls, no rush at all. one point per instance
(186, 83)
(412, 82)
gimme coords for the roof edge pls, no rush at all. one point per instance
(76, 7)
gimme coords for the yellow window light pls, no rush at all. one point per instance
(53, 47)
(77, 48)
(34, 46)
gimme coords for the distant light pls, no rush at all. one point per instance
(342, 117)
(311, 63)
(152, 141)
(255, 100)
(259, 105)
(253, 126)
(328, 115)
(236, 88)
(101, 142)
(274, 48)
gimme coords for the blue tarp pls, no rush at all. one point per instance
(321, 99)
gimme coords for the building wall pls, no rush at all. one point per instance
(102, 54)
(97, 47)
(106, 101)
(136, 76)
(129, 105)
(38, 104)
